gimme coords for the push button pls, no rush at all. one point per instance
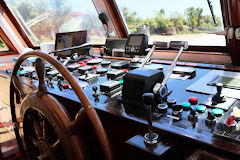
(230, 121)
(217, 112)
(65, 86)
(94, 66)
(186, 106)
(125, 70)
(193, 100)
(201, 108)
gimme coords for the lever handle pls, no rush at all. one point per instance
(219, 87)
(19, 85)
(40, 69)
(148, 98)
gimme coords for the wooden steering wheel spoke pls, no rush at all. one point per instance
(40, 70)
(19, 85)
(37, 129)
(35, 142)
(56, 146)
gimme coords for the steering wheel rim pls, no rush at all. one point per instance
(88, 108)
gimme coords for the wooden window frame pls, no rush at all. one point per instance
(115, 18)
(115, 11)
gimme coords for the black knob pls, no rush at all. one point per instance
(210, 116)
(148, 98)
(193, 116)
(162, 108)
(94, 88)
(193, 112)
(101, 53)
(176, 107)
(171, 101)
(219, 87)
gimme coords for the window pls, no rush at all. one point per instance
(188, 20)
(3, 46)
(42, 19)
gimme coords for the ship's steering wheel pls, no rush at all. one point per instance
(47, 125)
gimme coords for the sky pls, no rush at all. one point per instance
(148, 8)
(145, 8)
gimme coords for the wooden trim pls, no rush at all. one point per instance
(234, 19)
(15, 25)
(4, 53)
(114, 24)
(118, 17)
(7, 41)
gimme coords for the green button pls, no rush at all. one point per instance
(218, 112)
(121, 81)
(186, 106)
(201, 108)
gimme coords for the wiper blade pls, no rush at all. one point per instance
(211, 9)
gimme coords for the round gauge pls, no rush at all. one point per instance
(132, 49)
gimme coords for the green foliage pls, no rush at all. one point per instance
(162, 21)
(27, 10)
(193, 17)
(177, 20)
(2, 45)
(194, 22)
(132, 20)
(151, 23)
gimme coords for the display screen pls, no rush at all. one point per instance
(135, 40)
(227, 82)
(70, 39)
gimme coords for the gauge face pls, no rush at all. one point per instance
(132, 49)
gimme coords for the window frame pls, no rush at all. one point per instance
(223, 49)
(110, 8)
(15, 25)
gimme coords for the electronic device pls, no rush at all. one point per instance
(136, 44)
(113, 43)
(70, 39)
(137, 82)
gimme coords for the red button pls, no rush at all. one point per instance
(193, 100)
(82, 65)
(85, 60)
(94, 66)
(90, 59)
(230, 120)
(76, 63)
(95, 57)
(65, 86)
(81, 62)
(65, 66)
(125, 70)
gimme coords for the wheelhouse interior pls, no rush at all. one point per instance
(115, 79)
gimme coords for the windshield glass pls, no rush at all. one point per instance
(189, 20)
(3, 46)
(42, 19)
